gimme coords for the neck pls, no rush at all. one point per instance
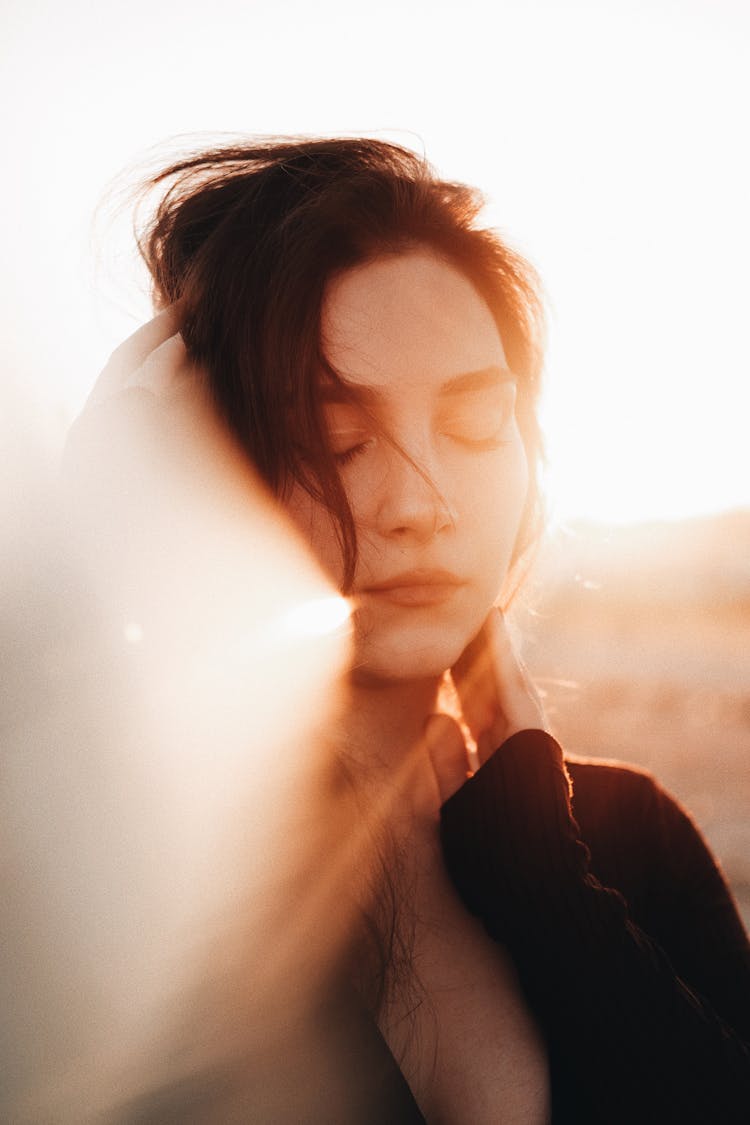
(382, 738)
(387, 717)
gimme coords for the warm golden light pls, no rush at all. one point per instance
(170, 660)
(313, 618)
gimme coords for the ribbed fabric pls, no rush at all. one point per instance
(630, 1040)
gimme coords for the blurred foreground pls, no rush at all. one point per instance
(170, 655)
(640, 637)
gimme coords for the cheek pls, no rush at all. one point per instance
(515, 513)
(496, 501)
(318, 530)
(493, 523)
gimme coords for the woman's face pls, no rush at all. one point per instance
(437, 507)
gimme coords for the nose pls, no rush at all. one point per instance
(410, 508)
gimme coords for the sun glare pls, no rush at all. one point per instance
(635, 441)
(314, 618)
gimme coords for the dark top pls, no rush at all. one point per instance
(627, 942)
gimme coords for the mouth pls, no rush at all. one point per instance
(419, 587)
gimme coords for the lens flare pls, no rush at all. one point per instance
(315, 617)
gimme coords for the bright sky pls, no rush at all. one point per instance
(611, 137)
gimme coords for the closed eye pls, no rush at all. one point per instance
(349, 431)
(347, 455)
(481, 424)
(495, 441)
(480, 431)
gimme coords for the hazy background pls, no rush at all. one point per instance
(611, 141)
(639, 636)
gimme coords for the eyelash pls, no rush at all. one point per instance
(349, 455)
(480, 445)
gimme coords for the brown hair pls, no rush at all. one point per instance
(246, 238)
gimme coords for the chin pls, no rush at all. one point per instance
(417, 652)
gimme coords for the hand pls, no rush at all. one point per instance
(497, 699)
(153, 358)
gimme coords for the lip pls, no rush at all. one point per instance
(419, 587)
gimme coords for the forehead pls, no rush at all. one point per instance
(407, 320)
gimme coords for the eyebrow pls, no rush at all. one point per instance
(485, 379)
(468, 382)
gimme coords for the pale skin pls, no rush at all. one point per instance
(436, 475)
(413, 335)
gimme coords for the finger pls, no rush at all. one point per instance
(132, 353)
(474, 677)
(518, 697)
(164, 371)
(447, 751)
(496, 694)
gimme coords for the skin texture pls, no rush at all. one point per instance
(435, 472)
(435, 480)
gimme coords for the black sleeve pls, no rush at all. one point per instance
(629, 1039)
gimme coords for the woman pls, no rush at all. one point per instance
(545, 940)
